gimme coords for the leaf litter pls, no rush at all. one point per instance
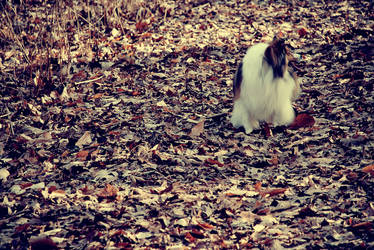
(115, 131)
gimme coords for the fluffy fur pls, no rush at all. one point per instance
(264, 88)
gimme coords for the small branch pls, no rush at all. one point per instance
(90, 80)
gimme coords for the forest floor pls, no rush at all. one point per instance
(115, 132)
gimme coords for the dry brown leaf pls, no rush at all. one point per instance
(274, 160)
(84, 140)
(197, 129)
(108, 192)
(205, 226)
(257, 186)
(97, 96)
(65, 153)
(275, 191)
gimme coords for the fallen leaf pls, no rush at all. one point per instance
(197, 234)
(197, 129)
(108, 192)
(274, 160)
(4, 173)
(51, 189)
(302, 121)
(25, 185)
(166, 190)
(205, 226)
(369, 169)
(307, 212)
(22, 228)
(257, 186)
(363, 225)
(267, 130)
(97, 96)
(141, 26)
(210, 161)
(84, 140)
(43, 243)
(275, 191)
(189, 237)
(82, 155)
(302, 32)
(161, 104)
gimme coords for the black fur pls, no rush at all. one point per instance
(238, 78)
(275, 56)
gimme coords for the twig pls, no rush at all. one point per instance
(217, 115)
(90, 80)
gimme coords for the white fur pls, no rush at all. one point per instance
(262, 97)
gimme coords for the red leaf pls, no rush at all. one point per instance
(210, 161)
(141, 26)
(43, 243)
(263, 211)
(205, 226)
(82, 155)
(302, 32)
(119, 232)
(51, 189)
(276, 191)
(197, 234)
(22, 228)
(369, 169)
(274, 160)
(257, 186)
(135, 93)
(302, 121)
(189, 237)
(115, 133)
(203, 27)
(167, 190)
(137, 117)
(364, 225)
(123, 245)
(267, 130)
(25, 185)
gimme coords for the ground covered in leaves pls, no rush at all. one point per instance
(115, 133)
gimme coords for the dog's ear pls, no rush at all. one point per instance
(276, 56)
